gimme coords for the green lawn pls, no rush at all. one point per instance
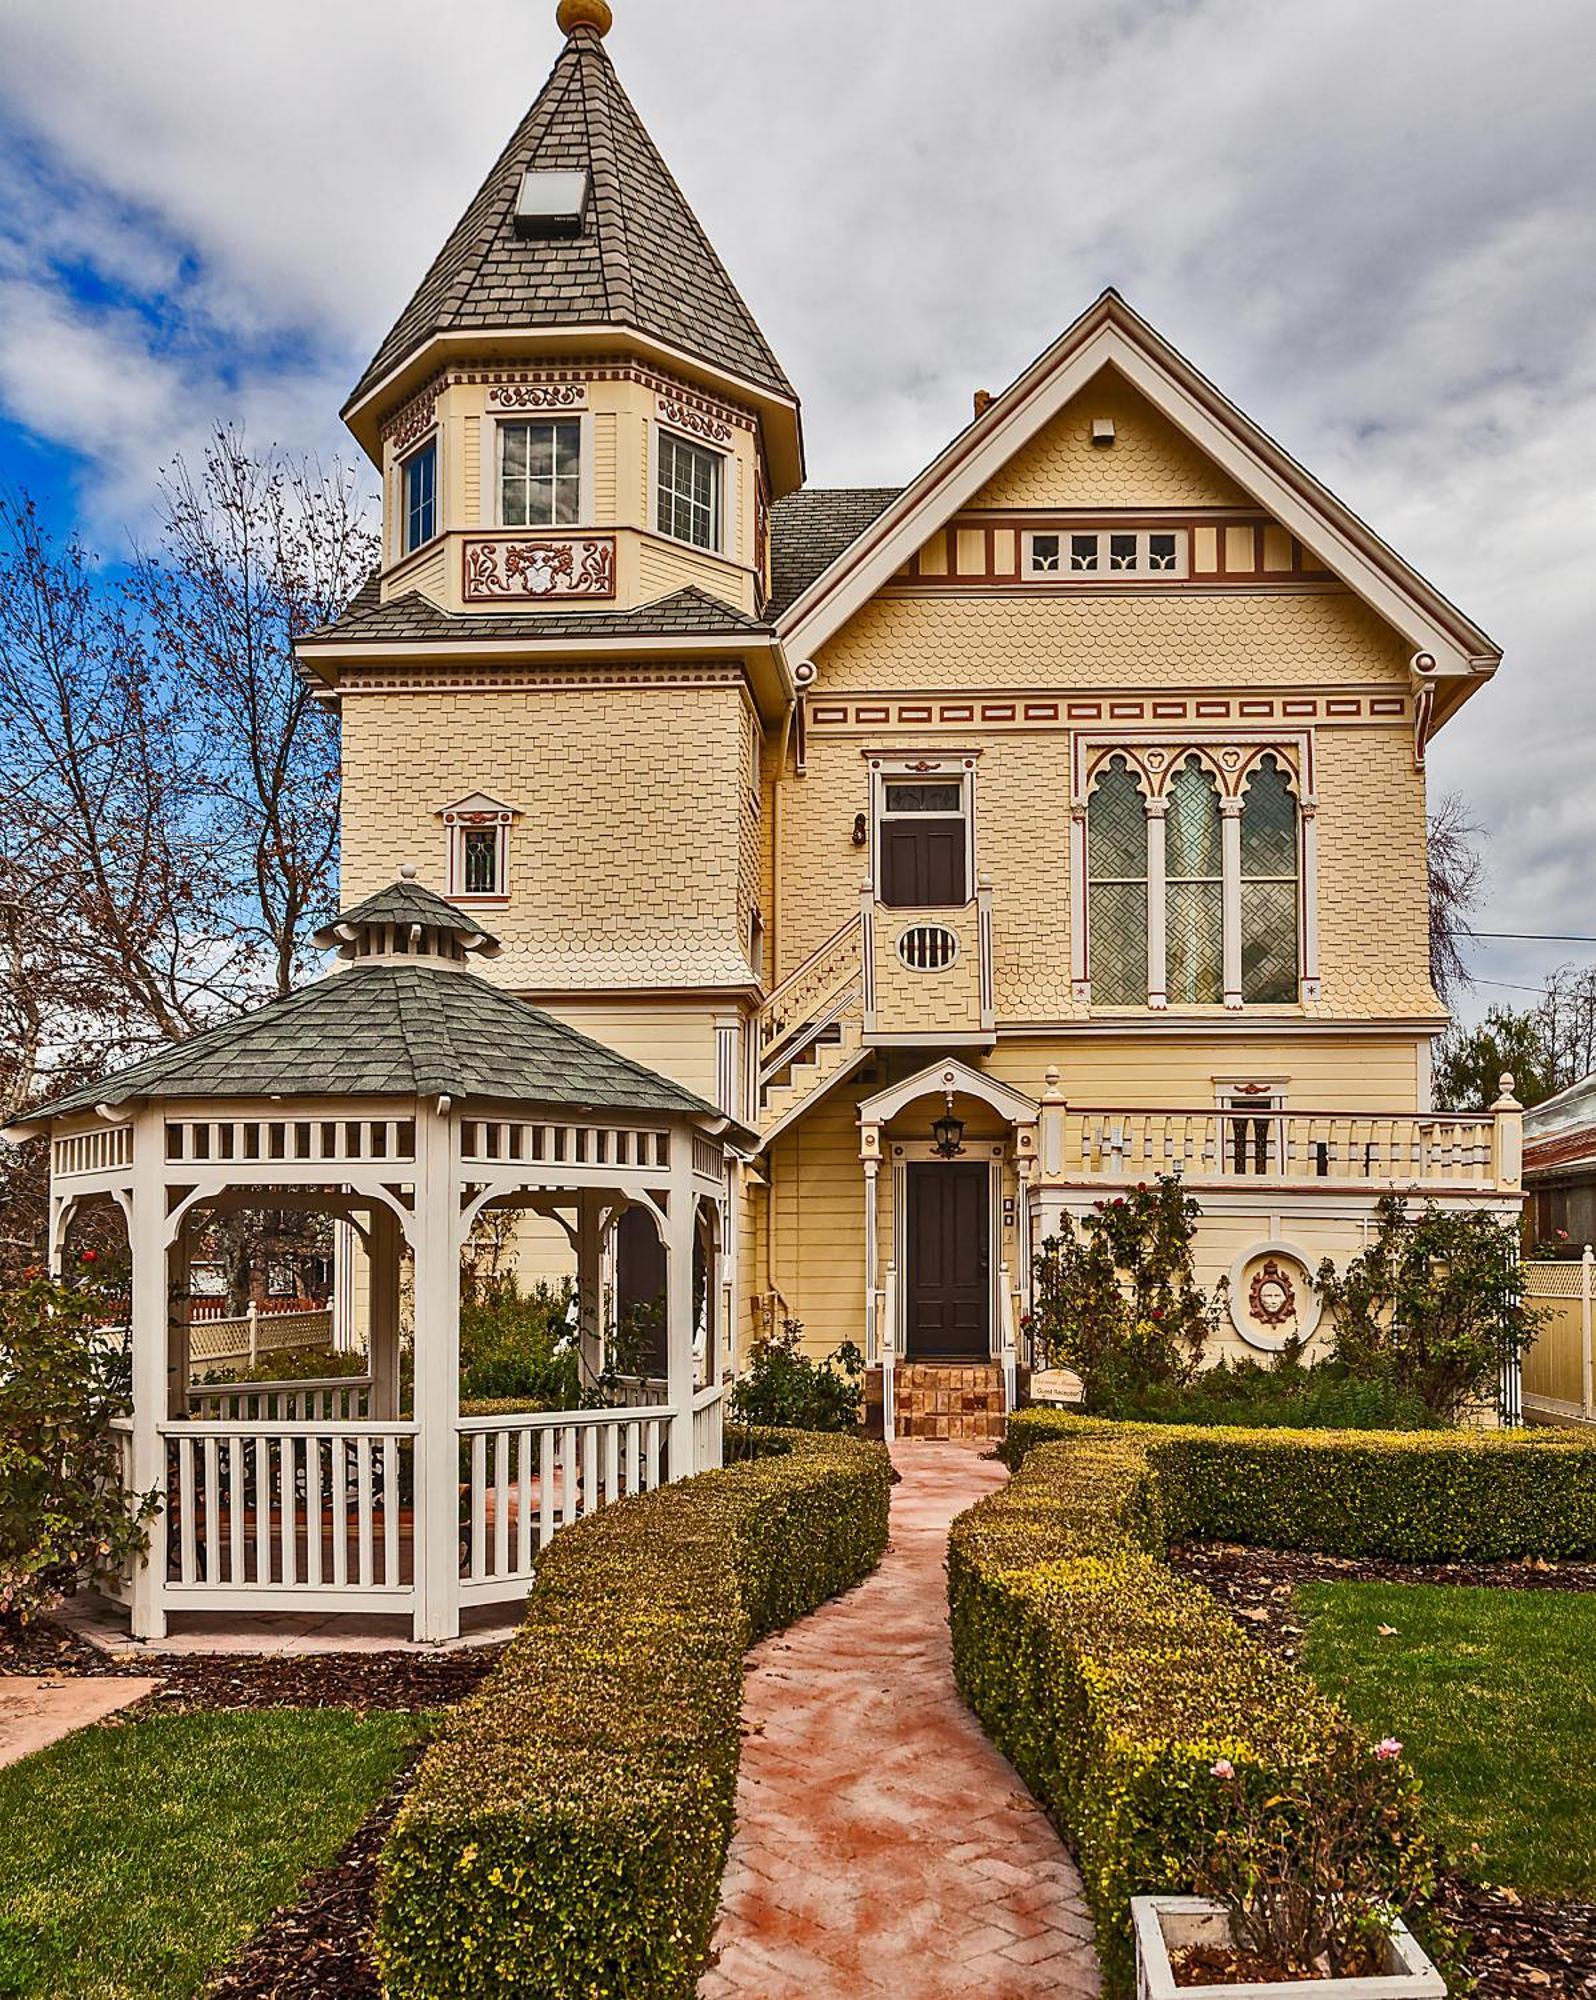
(1493, 1695)
(135, 1860)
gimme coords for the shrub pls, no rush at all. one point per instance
(64, 1517)
(519, 1346)
(291, 1364)
(1115, 1298)
(784, 1387)
(1419, 1496)
(1285, 1394)
(567, 1830)
(1175, 1751)
(1435, 1305)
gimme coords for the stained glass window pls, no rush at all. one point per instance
(1269, 945)
(480, 852)
(1116, 864)
(1194, 891)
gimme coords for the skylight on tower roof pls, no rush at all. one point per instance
(552, 202)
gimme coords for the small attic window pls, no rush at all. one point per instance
(552, 202)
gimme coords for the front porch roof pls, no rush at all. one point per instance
(942, 1078)
(395, 1026)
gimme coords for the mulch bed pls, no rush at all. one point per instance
(194, 1681)
(320, 1947)
(1519, 1945)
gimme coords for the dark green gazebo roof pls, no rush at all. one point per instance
(387, 1030)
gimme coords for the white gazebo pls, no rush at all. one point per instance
(403, 1094)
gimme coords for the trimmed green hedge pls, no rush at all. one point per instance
(1115, 1686)
(1413, 1496)
(568, 1829)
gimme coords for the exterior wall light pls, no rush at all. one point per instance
(948, 1133)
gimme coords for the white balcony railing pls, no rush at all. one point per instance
(1307, 1148)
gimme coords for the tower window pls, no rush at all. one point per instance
(689, 492)
(552, 202)
(421, 496)
(540, 474)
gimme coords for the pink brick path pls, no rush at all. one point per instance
(883, 1845)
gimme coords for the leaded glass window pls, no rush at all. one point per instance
(689, 492)
(1269, 944)
(480, 853)
(1194, 889)
(1116, 866)
(540, 474)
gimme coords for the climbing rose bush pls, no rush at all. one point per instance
(1115, 1298)
(62, 1515)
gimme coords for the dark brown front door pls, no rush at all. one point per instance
(949, 1280)
(922, 864)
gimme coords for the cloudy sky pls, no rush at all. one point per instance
(1373, 224)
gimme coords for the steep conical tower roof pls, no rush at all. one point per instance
(641, 259)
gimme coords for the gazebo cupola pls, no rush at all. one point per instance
(404, 1095)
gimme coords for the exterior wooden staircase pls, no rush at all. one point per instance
(810, 1032)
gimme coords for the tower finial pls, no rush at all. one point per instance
(594, 14)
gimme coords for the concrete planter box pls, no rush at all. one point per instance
(1164, 1923)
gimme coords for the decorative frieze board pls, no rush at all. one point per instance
(515, 389)
(507, 568)
(563, 680)
(1209, 548)
(683, 415)
(839, 715)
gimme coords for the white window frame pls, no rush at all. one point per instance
(491, 506)
(473, 815)
(432, 442)
(906, 768)
(1103, 572)
(726, 482)
(1297, 754)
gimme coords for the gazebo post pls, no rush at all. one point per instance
(148, 1328)
(589, 1248)
(382, 1320)
(436, 1243)
(680, 1236)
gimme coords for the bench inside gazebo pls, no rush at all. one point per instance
(403, 1094)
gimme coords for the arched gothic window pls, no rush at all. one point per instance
(1269, 901)
(1194, 889)
(1116, 864)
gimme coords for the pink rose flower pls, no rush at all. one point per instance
(1222, 1769)
(1387, 1748)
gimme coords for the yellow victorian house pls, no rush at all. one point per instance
(1054, 822)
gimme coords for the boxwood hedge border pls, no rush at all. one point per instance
(568, 1827)
(1116, 1687)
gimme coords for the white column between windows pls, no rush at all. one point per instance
(1230, 895)
(1308, 813)
(1079, 964)
(1157, 904)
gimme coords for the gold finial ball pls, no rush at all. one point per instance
(594, 14)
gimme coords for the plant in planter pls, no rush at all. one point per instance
(1300, 1886)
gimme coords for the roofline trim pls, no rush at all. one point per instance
(1111, 333)
(359, 411)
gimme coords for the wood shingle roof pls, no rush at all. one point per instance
(642, 259)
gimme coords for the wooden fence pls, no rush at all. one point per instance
(1557, 1369)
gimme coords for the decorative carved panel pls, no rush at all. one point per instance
(545, 569)
(539, 396)
(685, 417)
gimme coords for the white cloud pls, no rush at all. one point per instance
(1373, 225)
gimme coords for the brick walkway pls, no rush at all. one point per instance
(883, 1846)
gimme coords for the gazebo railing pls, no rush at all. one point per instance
(332, 1398)
(709, 1419)
(526, 1477)
(315, 1513)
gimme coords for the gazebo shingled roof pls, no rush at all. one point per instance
(386, 1027)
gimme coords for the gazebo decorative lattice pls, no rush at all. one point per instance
(405, 1095)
